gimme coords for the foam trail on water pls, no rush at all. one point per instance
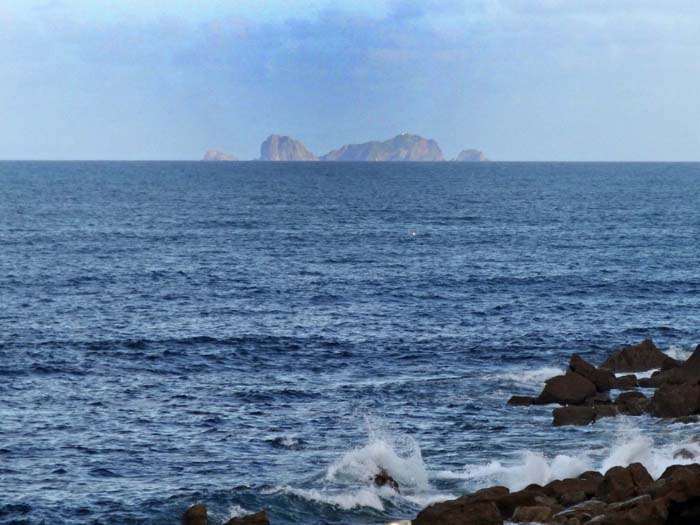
(346, 501)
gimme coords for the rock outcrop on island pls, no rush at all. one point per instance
(216, 155)
(471, 155)
(404, 147)
(284, 148)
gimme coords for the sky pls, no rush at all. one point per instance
(519, 79)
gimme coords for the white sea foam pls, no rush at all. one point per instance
(535, 376)
(400, 456)
(365, 497)
(236, 510)
(679, 353)
(631, 446)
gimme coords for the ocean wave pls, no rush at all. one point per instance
(535, 467)
(365, 497)
(535, 376)
(399, 455)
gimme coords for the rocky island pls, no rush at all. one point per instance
(284, 148)
(216, 155)
(404, 147)
(471, 155)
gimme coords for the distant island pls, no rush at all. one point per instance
(216, 155)
(405, 147)
(402, 147)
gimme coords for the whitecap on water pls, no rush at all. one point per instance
(346, 500)
(535, 376)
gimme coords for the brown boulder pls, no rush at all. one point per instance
(521, 401)
(688, 372)
(583, 512)
(259, 518)
(601, 378)
(531, 514)
(568, 389)
(676, 400)
(195, 515)
(638, 358)
(573, 415)
(478, 508)
(382, 478)
(641, 510)
(622, 483)
(627, 382)
(572, 491)
(632, 403)
(602, 411)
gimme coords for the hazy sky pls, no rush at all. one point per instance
(520, 79)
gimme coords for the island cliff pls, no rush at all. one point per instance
(403, 147)
(282, 147)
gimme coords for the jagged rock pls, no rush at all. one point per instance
(603, 379)
(259, 518)
(672, 400)
(688, 372)
(638, 358)
(531, 514)
(404, 147)
(195, 515)
(573, 415)
(683, 453)
(627, 382)
(622, 483)
(521, 401)
(382, 479)
(284, 148)
(632, 403)
(568, 389)
(478, 508)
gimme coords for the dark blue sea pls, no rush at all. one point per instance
(268, 335)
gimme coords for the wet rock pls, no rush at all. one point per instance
(602, 411)
(638, 358)
(573, 415)
(675, 400)
(683, 453)
(568, 389)
(688, 372)
(572, 491)
(531, 514)
(632, 403)
(530, 496)
(602, 398)
(259, 518)
(627, 382)
(521, 401)
(195, 515)
(622, 483)
(582, 512)
(603, 379)
(383, 479)
(478, 508)
(641, 510)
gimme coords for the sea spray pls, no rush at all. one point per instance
(398, 454)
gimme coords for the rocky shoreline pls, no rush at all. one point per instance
(623, 495)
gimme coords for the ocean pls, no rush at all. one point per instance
(256, 335)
